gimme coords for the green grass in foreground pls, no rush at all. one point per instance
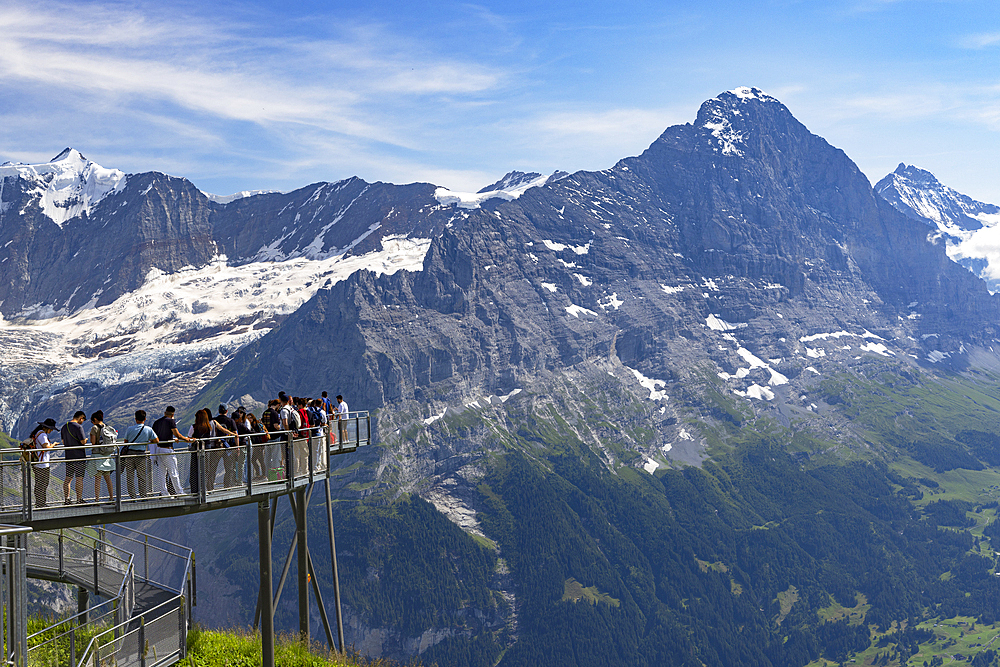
(212, 648)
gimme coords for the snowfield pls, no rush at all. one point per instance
(172, 322)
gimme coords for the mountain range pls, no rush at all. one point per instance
(718, 404)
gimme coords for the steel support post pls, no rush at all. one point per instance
(319, 601)
(333, 562)
(266, 589)
(82, 605)
(303, 568)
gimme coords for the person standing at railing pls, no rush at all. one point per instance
(342, 418)
(102, 449)
(41, 470)
(165, 464)
(135, 455)
(230, 460)
(318, 418)
(75, 441)
(290, 422)
(205, 430)
(272, 423)
(243, 431)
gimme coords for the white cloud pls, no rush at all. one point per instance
(185, 74)
(980, 41)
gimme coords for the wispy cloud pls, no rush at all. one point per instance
(980, 40)
(163, 67)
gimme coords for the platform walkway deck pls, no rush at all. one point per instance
(238, 475)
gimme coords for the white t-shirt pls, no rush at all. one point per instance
(342, 409)
(286, 417)
(41, 442)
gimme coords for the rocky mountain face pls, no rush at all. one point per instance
(109, 238)
(112, 285)
(568, 353)
(686, 410)
(742, 228)
(967, 227)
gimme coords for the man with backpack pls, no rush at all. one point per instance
(103, 445)
(135, 455)
(290, 422)
(75, 441)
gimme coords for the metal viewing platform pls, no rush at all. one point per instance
(216, 473)
(143, 612)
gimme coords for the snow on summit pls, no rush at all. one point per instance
(66, 186)
(511, 186)
(970, 229)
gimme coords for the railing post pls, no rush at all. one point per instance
(97, 587)
(28, 496)
(290, 458)
(142, 641)
(118, 481)
(72, 647)
(182, 627)
(201, 454)
(82, 605)
(62, 568)
(310, 457)
(145, 557)
(266, 589)
(248, 466)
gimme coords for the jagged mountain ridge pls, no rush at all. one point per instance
(730, 219)
(967, 227)
(142, 280)
(645, 316)
(154, 221)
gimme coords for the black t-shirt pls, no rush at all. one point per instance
(72, 436)
(271, 420)
(227, 422)
(164, 430)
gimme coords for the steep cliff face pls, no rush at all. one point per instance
(70, 238)
(742, 229)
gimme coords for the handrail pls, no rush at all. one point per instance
(119, 636)
(13, 596)
(118, 607)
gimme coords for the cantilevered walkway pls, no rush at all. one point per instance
(148, 584)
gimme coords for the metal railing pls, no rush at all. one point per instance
(119, 633)
(89, 561)
(212, 469)
(13, 596)
(157, 636)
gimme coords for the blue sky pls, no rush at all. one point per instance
(265, 95)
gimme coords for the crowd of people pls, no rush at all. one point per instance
(145, 455)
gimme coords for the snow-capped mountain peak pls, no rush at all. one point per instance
(969, 228)
(918, 193)
(67, 186)
(510, 180)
